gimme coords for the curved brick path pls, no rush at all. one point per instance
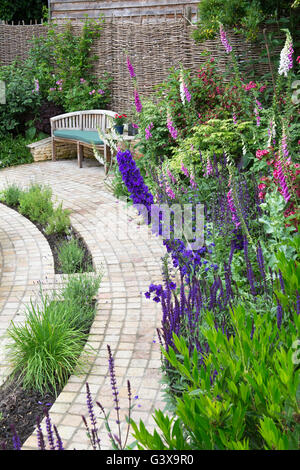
(129, 258)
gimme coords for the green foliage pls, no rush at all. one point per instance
(277, 233)
(21, 98)
(243, 16)
(71, 257)
(22, 10)
(58, 221)
(46, 349)
(62, 62)
(243, 397)
(36, 203)
(11, 195)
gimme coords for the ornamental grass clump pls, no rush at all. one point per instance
(45, 350)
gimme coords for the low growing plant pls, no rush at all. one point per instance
(243, 397)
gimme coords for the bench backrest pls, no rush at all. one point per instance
(83, 120)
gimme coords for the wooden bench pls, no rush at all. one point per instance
(81, 128)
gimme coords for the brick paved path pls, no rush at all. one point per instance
(129, 258)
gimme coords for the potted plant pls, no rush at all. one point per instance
(119, 121)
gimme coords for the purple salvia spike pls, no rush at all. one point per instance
(58, 439)
(281, 281)
(15, 438)
(40, 436)
(279, 314)
(49, 430)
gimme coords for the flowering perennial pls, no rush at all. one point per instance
(286, 57)
(171, 127)
(224, 40)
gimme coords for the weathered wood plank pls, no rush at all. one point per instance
(113, 12)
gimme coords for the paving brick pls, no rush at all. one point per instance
(129, 260)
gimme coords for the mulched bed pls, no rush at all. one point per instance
(56, 239)
(19, 408)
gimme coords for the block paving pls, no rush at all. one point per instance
(128, 256)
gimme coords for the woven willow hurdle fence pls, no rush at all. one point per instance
(153, 49)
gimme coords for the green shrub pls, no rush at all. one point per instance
(11, 195)
(36, 203)
(71, 257)
(81, 289)
(46, 349)
(244, 396)
(59, 221)
(14, 150)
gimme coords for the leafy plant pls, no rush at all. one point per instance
(46, 349)
(244, 396)
(36, 203)
(71, 256)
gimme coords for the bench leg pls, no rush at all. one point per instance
(79, 154)
(53, 150)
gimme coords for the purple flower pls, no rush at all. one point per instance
(171, 127)
(148, 134)
(130, 68)
(232, 209)
(138, 104)
(224, 40)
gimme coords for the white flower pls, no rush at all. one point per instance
(286, 56)
(182, 93)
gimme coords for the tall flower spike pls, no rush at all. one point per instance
(171, 127)
(224, 40)
(138, 104)
(130, 68)
(286, 56)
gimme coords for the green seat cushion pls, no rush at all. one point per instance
(90, 137)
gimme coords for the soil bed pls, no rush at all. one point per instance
(20, 408)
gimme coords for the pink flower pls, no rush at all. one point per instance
(185, 170)
(232, 209)
(171, 127)
(148, 134)
(82, 80)
(224, 40)
(138, 104)
(101, 92)
(261, 153)
(130, 68)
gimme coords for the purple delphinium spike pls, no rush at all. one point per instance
(298, 304)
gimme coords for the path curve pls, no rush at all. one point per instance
(130, 259)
